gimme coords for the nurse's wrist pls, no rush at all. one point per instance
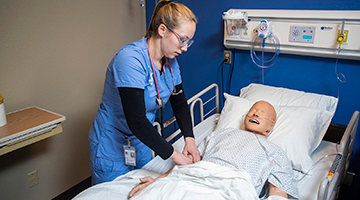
(175, 156)
(189, 139)
(171, 154)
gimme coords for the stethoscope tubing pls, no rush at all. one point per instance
(166, 62)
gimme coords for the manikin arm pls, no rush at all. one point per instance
(273, 190)
(145, 182)
(148, 180)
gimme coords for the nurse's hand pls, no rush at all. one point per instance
(180, 158)
(191, 149)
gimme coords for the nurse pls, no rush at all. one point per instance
(140, 78)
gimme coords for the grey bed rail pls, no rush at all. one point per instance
(329, 188)
(192, 101)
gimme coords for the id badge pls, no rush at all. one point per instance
(130, 155)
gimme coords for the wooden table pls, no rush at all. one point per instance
(27, 126)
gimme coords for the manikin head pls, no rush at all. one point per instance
(260, 119)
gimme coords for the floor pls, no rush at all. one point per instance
(72, 192)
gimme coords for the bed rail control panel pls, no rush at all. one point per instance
(334, 166)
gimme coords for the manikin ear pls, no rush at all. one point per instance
(271, 128)
(161, 30)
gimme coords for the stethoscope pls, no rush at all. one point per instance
(159, 100)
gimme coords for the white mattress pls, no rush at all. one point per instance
(308, 186)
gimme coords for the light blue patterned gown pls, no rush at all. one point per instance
(262, 159)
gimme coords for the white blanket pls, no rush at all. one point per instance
(202, 180)
(117, 189)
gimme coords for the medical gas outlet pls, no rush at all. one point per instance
(342, 38)
(264, 29)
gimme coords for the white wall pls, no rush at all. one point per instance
(54, 54)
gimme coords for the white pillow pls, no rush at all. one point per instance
(288, 97)
(233, 111)
(297, 130)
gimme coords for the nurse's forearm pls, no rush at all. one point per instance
(134, 109)
(182, 111)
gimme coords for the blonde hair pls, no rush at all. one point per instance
(168, 13)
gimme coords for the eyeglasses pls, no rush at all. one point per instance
(183, 40)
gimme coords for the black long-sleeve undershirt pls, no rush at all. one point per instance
(182, 111)
(135, 113)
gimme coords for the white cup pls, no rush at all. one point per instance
(2, 112)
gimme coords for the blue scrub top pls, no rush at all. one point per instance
(130, 67)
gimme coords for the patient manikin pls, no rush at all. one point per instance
(248, 149)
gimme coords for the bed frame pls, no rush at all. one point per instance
(329, 187)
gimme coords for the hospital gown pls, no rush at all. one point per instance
(263, 160)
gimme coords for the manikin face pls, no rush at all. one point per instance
(170, 43)
(260, 118)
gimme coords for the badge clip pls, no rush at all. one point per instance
(160, 102)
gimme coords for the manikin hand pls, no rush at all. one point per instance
(191, 149)
(144, 183)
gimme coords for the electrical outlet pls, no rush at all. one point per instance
(33, 178)
(227, 57)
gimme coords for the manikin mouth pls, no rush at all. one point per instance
(254, 121)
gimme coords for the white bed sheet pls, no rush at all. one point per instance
(121, 186)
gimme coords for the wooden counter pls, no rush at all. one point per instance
(27, 126)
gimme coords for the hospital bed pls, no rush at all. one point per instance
(318, 178)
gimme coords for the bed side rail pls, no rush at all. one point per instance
(330, 186)
(192, 101)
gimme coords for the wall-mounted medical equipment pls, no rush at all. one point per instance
(234, 20)
(304, 32)
(264, 33)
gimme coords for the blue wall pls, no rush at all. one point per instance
(201, 65)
